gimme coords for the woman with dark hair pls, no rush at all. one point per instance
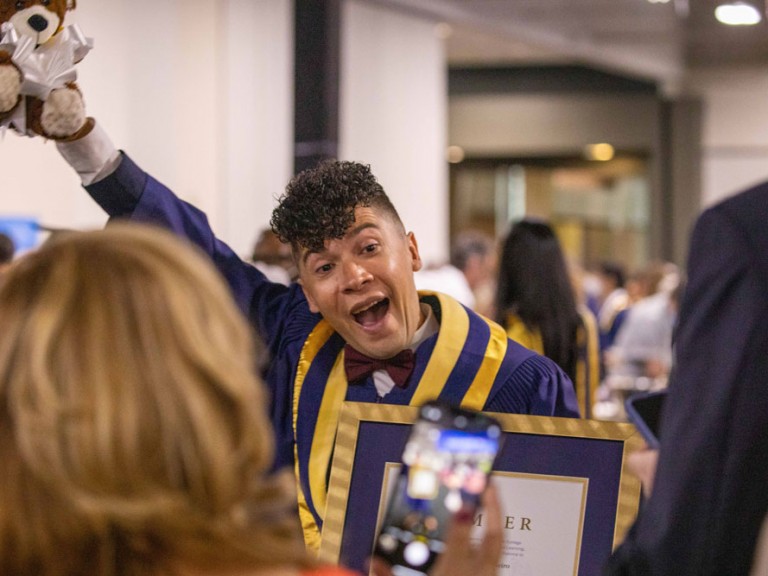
(536, 304)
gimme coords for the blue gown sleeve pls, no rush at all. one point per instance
(539, 387)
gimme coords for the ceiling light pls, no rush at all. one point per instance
(658, 1)
(737, 14)
(601, 152)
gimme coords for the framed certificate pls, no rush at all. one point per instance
(566, 498)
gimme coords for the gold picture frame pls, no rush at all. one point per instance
(370, 437)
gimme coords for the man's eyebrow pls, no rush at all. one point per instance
(307, 254)
(352, 232)
(358, 229)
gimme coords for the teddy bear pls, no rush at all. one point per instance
(37, 69)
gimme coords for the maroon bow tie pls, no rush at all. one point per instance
(359, 366)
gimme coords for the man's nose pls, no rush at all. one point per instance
(355, 275)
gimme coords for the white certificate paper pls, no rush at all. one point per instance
(542, 521)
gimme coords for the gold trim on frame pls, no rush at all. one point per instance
(353, 413)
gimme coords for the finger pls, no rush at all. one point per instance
(378, 567)
(460, 558)
(456, 557)
(458, 531)
(490, 548)
(643, 465)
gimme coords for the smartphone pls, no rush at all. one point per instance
(445, 467)
(644, 411)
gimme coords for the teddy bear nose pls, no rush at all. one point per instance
(37, 22)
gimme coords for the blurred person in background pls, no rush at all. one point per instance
(643, 345)
(7, 250)
(639, 356)
(613, 300)
(475, 253)
(273, 258)
(536, 303)
(638, 285)
(708, 499)
(469, 276)
(446, 279)
(134, 437)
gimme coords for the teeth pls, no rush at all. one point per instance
(371, 305)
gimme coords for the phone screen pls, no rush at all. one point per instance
(446, 462)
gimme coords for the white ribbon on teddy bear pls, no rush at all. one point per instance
(44, 68)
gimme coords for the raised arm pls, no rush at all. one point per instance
(124, 190)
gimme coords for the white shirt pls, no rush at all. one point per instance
(381, 378)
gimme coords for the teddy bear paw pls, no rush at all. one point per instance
(63, 113)
(10, 86)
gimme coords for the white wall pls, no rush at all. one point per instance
(735, 131)
(393, 115)
(198, 92)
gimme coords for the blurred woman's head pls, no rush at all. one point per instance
(535, 285)
(133, 432)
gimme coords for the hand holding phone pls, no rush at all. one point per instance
(446, 462)
(644, 411)
(461, 556)
(643, 463)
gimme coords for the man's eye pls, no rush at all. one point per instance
(370, 248)
(324, 269)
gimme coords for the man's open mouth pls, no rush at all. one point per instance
(372, 313)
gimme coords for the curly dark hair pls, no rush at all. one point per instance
(319, 203)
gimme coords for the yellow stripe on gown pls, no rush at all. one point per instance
(587, 367)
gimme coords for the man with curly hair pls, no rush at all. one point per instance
(354, 327)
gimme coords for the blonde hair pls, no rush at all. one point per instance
(133, 429)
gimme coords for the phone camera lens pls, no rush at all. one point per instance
(461, 422)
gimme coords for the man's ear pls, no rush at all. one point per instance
(413, 248)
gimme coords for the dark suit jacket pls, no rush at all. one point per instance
(711, 489)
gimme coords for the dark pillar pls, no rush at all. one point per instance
(316, 91)
(680, 157)
(686, 120)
